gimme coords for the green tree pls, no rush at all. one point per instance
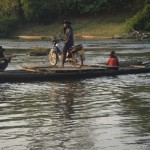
(140, 21)
(7, 25)
(10, 7)
(39, 10)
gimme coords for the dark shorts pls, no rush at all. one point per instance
(3, 66)
(65, 49)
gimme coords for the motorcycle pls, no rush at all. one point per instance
(75, 54)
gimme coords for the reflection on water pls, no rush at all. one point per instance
(101, 113)
(106, 113)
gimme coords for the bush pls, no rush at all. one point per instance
(39, 51)
(140, 21)
(147, 28)
(7, 25)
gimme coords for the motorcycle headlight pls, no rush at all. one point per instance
(54, 49)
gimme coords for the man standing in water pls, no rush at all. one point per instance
(69, 41)
(3, 60)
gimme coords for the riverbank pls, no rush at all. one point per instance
(88, 28)
(83, 37)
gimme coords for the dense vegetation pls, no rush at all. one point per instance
(16, 12)
(141, 21)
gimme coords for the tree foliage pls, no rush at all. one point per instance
(10, 7)
(44, 11)
(141, 21)
(7, 25)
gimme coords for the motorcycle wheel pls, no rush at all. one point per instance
(53, 57)
(78, 61)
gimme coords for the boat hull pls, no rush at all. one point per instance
(66, 74)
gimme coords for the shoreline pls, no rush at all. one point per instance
(84, 37)
(134, 35)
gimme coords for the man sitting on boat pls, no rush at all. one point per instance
(3, 60)
(113, 61)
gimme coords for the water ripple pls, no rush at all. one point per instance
(101, 113)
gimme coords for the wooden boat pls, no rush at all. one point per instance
(50, 73)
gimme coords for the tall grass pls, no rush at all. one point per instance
(96, 26)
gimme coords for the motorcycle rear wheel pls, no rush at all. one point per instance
(53, 57)
(78, 60)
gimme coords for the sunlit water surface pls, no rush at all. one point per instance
(106, 113)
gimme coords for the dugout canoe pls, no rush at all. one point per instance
(50, 73)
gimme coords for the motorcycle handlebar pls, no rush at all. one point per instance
(57, 39)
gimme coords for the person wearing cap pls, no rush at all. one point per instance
(69, 41)
(113, 61)
(3, 60)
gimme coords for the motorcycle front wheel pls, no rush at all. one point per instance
(78, 60)
(53, 57)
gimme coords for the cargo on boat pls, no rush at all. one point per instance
(50, 73)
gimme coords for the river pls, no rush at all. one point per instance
(106, 113)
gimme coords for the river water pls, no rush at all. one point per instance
(106, 113)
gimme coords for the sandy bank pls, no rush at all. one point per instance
(84, 37)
